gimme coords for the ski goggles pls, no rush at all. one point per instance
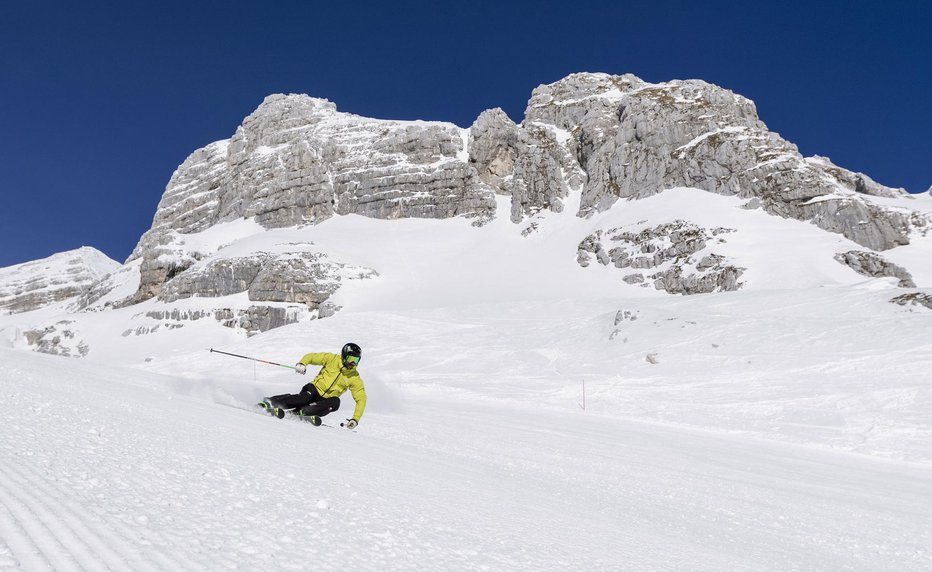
(352, 360)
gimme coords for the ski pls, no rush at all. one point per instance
(312, 419)
(265, 406)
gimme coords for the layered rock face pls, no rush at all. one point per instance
(305, 280)
(297, 160)
(58, 278)
(284, 287)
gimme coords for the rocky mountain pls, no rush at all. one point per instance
(58, 278)
(589, 144)
(297, 160)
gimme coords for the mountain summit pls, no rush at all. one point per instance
(60, 277)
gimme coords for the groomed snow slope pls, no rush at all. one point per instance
(783, 426)
(110, 468)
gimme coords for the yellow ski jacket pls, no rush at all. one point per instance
(333, 379)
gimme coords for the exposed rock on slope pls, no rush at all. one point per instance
(914, 299)
(303, 278)
(874, 266)
(59, 339)
(285, 288)
(676, 254)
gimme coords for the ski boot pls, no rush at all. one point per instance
(272, 410)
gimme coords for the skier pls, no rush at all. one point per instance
(321, 396)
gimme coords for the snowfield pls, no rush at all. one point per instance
(785, 426)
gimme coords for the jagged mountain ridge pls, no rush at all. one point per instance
(297, 160)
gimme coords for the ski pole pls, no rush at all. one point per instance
(252, 358)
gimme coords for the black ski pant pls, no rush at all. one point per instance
(309, 401)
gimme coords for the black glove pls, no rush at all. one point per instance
(351, 423)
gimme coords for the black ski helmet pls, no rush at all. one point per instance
(351, 349)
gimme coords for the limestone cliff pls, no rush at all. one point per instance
(297, 160)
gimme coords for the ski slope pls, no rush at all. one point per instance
(783, 426)
(114, 469)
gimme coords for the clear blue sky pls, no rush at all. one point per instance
(99, 104)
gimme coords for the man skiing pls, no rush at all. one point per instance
(318, 398)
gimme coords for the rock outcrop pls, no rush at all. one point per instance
(914, 299)
(675, 256)
(875, 266)
(285, 288)
(532, 163)
(301, 278)
(59, 339)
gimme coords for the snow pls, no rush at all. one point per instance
(463, 154)
(784, 426)
(915, 256)
(704, 136)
